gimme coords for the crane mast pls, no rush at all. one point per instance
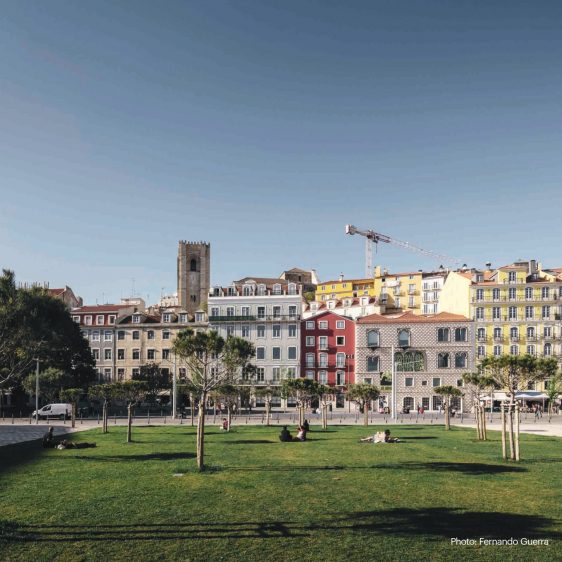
(372, 237)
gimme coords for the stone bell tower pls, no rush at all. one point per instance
(194, 274)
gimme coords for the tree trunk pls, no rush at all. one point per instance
(267, 412)
(229, 422)
(129, 421)
(517, 457)
(511, 432)
(484, 430)
(366, 413)
(504, 446)
(73, 415)
(201, 434)
(104, 417)
(447, 420)
(192, 404)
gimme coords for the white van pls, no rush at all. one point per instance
(61, 411)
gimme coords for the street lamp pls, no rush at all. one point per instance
(37, 392)
(393, 387)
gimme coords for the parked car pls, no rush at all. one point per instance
(61, 411)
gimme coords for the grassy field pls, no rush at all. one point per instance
(331, 498)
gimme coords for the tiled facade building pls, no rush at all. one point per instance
(429, 351)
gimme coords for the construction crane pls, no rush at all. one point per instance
(372, 237)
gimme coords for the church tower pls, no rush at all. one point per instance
(194, 274)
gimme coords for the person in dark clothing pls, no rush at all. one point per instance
(306, 426)
(285, 435)
(49, 439)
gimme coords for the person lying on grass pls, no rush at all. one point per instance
(64, 444)
(380, 437)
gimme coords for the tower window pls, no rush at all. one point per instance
(193, 265)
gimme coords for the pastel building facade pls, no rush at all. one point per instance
(429, 351)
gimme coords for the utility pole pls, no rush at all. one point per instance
(174, 389)
(393, 389)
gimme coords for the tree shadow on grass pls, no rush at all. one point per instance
(416, 437)
(146, 457)
(245, 442)
(432, 523)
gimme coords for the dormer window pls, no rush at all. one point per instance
(248, 290)
(183, 318)
(292, 289)
(277, 289)
(199, 316)
(364, 301)
(112, 319)
(261, 290)
(166, 317)
(99, 319)
(76, 319)
(136, 318)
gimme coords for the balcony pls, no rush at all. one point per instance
(482, 339)
(514, 338)
(232, 318)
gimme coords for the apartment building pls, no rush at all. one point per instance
(429, 351)
(267, 312)
(98, 327)
(352, 307)
(144, 338)
(328, 352)
(517, 310)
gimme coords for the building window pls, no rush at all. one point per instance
(276, 312)
(107, 354)
(404, 338)
(245, 331)
(372, 364)
(120, 374)
(276, 374)
(260, 374)
(136, 319)
(512, 312)
(340, 340)
(76, 319)
(276, 331)
(479, 313)
(373, 338)
(95, 335)
(322, 376)
(261, 311)
(261, 331)
(512, 276)
(292, 289)
(546, 312)
(247, 290)
(548, 349)
(340, 378)
(479, 294)
(136, 354)
(496, 313)
(111, 319)
(514, 333)
(291, 352)
(165, 335)
(323, 360)
(547, 331)
(260, 352)
(215, 311)
(460, 334)
(497, 333)
(496, 294)
(291, 372)
(409, 381)
(309, 341)
(120, 354)
(481, 334)
(529, 312)
(99, 320)
(531, 349)
(545, 292)
(150, 334)
(121, 335)
(193, 265)
(277, 289)
(136, 335)
(245, 311)
(166, 354)
(528, 293)
(230, 330)
(340, 324)
(437, 402)
(276, 353)
(409, 361)
(340, 360)
(443, 360)
(442, 334)
(481, 351)
(531, 332)
(514, 350)
(460, 360)
(310, 360)
(230, 311)
(512, 293)
(436, 381)
(292, 330)
(96, 354)
(497, 350)
(198, 317)
(323, 325)
(88, 320)
(150, 354)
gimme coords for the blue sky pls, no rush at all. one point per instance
(265, 127)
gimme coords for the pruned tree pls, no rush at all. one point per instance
(553, 391)
(325, 394)
(513, 373)
(72, 395)
(477, 385)
(131, 392)
(363, 394)
(210, 362)
(302, 390)
(447, 393)
(267, 393)
(104, 393)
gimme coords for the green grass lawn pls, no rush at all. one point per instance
(331, 498)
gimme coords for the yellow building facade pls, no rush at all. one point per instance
(517, 310)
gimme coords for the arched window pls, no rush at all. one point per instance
(514, 350)
(193, 265)
(514, 333)
(548, 349)
(277, 289)
(443, 360)
(442, 334)
(261, 290)
(530, 332)
(292, 289)
(409, 361)
(248, 290)
(404, 338)
(460, 360)
(373, 338)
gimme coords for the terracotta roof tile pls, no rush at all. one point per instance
(99, 308)
(411, 318)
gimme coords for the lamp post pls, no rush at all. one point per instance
(174, 389)
(393, 387)
(37, 392)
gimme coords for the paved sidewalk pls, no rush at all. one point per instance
(10, 434)
(542, 427)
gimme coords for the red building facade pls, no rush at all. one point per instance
(328, 349)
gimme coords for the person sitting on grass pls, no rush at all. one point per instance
(389, 439)
(301, 434)
(49, 439)
(306, 426)
(224, 424)
(285, 435)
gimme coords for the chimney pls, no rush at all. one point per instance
(533, 267)
(341, 277)
(489, 265)
(377, 270)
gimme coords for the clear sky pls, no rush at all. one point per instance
(264, 127)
